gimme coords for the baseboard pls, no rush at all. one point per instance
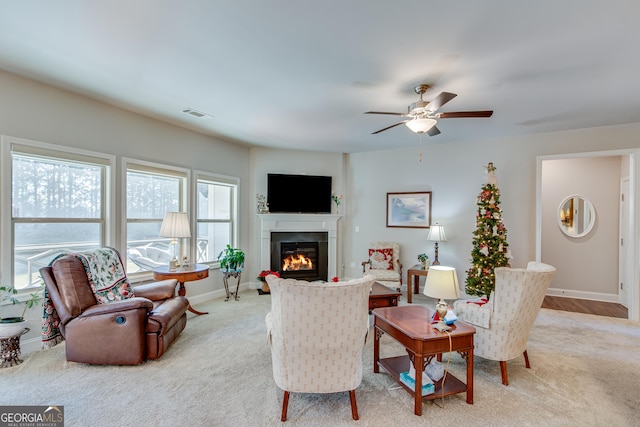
(218, 293)
(30, 345)
(592, 296)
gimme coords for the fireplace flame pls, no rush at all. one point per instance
(297, 262)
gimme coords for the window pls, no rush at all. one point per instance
(56, 200)
(151, 190)
(58, 204)
(216, 215)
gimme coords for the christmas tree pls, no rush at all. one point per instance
(489, 239)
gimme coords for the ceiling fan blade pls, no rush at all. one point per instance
(462, 114)
(433, 131)
(384, 112)
(440, 100)
(389, 127)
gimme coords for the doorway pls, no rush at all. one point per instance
(597, 266)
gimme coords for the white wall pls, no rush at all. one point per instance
(40, 112)
(455, 180)
(598, 180)
(455, 174)
(266, 160)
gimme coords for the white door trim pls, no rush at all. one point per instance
(634, 224)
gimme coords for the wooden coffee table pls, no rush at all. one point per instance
(382, 296)
(410, 326)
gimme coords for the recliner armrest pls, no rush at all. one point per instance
(156, 291)
(117, 306)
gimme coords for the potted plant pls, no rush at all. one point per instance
(424, 260)
(11, 326)
(231, 259)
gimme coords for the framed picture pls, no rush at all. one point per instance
(409, 210)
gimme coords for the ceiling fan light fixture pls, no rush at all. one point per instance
(421, 125)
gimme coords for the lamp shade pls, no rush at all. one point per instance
(436, 233)
(442, 283)
(175, 225)
(420, 125)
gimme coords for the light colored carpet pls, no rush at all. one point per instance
(585, 371)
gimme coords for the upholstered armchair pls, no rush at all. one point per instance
(384, 264)
(317, 332)
(504, 322)
(105, 325)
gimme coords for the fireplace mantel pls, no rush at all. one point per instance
(299, 222)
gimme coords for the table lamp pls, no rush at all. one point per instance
(176, 226)
(442, 283)
(436, 233)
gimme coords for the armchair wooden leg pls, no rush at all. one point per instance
(354, 405)
(526, 359)
(503, 371)
(285, 406)
(352, 396)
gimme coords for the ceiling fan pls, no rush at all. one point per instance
(422, 115)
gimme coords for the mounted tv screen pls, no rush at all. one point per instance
(298, 193)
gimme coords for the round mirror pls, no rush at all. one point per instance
(576, 216)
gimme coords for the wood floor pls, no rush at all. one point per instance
(585, 306)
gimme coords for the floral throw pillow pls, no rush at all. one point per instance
(381, 259)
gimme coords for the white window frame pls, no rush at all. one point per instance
(7, 143)
(221, 179)
(184, 202)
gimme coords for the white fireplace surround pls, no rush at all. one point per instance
(299, 223)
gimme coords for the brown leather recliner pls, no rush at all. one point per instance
(123, 332)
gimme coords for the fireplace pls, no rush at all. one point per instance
(300, 255)
(296, 224)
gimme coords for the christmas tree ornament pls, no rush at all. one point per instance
(490, 247)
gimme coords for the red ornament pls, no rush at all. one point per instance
(335, 279)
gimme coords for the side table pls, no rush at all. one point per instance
(225, 278)
(184, 273)
(410, 326)
(10, 349)
(415, 272)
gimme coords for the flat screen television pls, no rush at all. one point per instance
(298, 193)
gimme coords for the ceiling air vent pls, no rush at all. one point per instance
(196, 113)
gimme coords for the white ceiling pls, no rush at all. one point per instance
(300, 74)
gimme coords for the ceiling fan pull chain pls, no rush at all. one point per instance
(420, 157)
